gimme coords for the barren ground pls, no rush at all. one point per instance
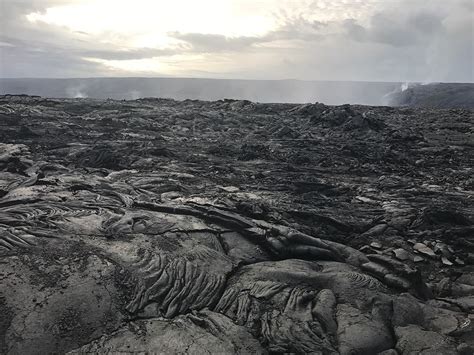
(234, 227)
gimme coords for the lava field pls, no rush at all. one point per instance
(163, 226)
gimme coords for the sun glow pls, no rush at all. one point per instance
(149, 17)
(130, 25)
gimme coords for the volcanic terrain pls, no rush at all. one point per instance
(163, 226)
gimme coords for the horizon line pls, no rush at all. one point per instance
(234, 79)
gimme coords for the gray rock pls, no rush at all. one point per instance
(361, 333)
(414, 340)
(376, 245)
(458, 261)
(401, 254)
(389, 352)
(446, 261)
(193, 333)
(377, 230)
(423, 249)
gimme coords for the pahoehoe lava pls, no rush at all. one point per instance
(163, 226)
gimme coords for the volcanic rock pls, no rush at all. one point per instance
(423, 249)
(401, 254)
(187, 227)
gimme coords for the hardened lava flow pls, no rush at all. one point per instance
(162, 226)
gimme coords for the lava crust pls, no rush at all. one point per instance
(162, 226)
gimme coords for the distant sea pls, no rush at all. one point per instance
(291, 91)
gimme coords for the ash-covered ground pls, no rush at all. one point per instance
(234, 227)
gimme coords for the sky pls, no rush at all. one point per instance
(366, 40)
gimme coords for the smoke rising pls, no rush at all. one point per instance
(294, 91)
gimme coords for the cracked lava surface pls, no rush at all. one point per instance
(162, 226)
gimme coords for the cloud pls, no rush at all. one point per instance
(37, 51)
(128, 54)
(290, 29)
(201, 42)
(433, 40)
(396, 30)
(402, 40)
(26, 59)
(468, 5)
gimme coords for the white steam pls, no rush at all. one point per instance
(76, 92)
